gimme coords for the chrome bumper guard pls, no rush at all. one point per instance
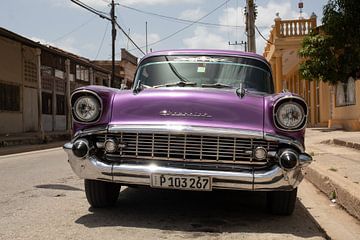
(274, 178)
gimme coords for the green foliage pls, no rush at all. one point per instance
(332, 54)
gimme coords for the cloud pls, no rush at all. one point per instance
(192, 14)
(204, 39)
(140, 39)
(67, 44)
(232, 16)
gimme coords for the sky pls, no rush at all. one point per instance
(65, 25)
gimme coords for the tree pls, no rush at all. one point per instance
(332, 52)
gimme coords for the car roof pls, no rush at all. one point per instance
(205, 52)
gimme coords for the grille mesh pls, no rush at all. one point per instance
(189, 147)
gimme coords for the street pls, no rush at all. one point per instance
(41, 198)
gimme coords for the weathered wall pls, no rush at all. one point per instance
(11, 73)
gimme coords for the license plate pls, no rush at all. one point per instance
(182, 182)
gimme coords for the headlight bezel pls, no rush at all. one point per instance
(299, 102)
(76, 96)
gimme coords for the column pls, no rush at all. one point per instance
(54, 104)
(109, 80)
(91, 77)
(68, 96)
(273, 70)
(40, 122)
(279, 76)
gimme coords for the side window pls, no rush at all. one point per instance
(9, 97)
(345, 93)
(46, 103)
(60, 104)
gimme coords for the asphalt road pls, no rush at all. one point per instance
(40, 198)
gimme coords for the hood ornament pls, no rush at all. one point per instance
(184, 114)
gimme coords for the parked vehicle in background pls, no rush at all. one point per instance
(194, 120)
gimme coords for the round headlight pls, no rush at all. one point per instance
(86, 108)
(290, 115)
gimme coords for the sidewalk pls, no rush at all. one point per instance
(336, 166)
(23, 142)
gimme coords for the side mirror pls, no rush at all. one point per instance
(124, 87)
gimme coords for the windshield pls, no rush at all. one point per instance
(205, 72)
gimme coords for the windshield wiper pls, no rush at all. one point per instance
(173, 69)
(179, 83)
(216, 85)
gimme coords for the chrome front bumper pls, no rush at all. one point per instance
(274, 178)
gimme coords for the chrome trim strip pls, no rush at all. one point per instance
(90, 131)
(270, 179)
(206, 131)
(285, 140)
(185, 129)
(305, 159)
(243, 162)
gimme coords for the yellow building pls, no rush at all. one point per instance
(331, 106)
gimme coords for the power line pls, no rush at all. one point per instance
(91, 9)
(102, 41)
(105, 16)
(187, 26)
(262, 36)
(177, 19)
(74, 30)
(132, 41)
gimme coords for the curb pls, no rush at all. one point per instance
(343, 143)
(28, 148)
(346, 144)
(346, 193)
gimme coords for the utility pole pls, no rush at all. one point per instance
(112, 19)
(250, 25)
(146, 36)
(236, 43)
(113, 34)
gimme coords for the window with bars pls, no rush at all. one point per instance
(60, 104)
(82, 73)
(9, 97)
(46, 103)
(345, 93)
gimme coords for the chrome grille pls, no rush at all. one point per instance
(189, 147)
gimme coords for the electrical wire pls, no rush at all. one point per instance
(93, 10)
(132, 41)
(186, 27)
(102, 40)
(175, 18)
(124, 26)
(262, 36)
(227, 20)
(75, 29)
(105, 16)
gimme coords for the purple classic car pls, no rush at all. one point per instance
(194, 120)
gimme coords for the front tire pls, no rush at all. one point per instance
(281, 202)
(101, 194)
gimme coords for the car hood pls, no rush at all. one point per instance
(218, 108)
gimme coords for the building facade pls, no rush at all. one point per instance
(36, 82)
(125, 68)
(329, 106)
